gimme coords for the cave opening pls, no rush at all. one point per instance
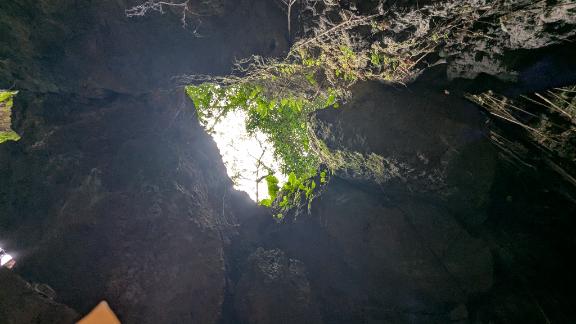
(248, 157)
(417, 158)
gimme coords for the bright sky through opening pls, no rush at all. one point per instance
(4, 257)
(241, 154)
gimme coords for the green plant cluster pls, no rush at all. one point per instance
(283, 118)
(296, 193)
(6, 103)
(277, 95)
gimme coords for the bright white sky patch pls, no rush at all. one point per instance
(241, 153)
(4, 257)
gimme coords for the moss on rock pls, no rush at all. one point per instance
(6, 103)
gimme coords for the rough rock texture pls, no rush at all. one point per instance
(484, 36)
(88, 47)
(21, 303)
(409, 141)
(528, 25)
(542, 25)
(370, 259)
(388, 241)
(274, 289)
(129, 197)
(412, 248)
(115, 192)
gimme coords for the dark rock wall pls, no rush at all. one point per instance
(391, 260)
(20, 302)
(274, 288)
(454, 234)
(123, 226)
(115, 192)
(410, 141)
(388, 241)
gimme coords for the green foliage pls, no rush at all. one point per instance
(6, 96)
(272, 183)
(273, 190)
(6, 103)
(341, 48)
(283, 118)
(9, 136)
(297, 192)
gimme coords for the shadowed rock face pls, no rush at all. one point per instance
(375, 260)
(21, 303)
(140, 224)
(409, 142)
(274, 289)
(115, 192)
(88, 47)
(388, 241)
(448, 236)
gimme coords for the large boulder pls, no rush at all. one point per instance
(373, 260)
(134, 211)
(409, 141)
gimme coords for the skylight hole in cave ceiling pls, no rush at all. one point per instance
(241, 152)
(6, 260)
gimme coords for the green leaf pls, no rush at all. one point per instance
(273, 188)
(375, 59)
(254, 93)
(266, 202)
(6, 103)
(272, 104)
(331, 99)
(311, 80)
(292, 178)
(284, 202)
(6, 94)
